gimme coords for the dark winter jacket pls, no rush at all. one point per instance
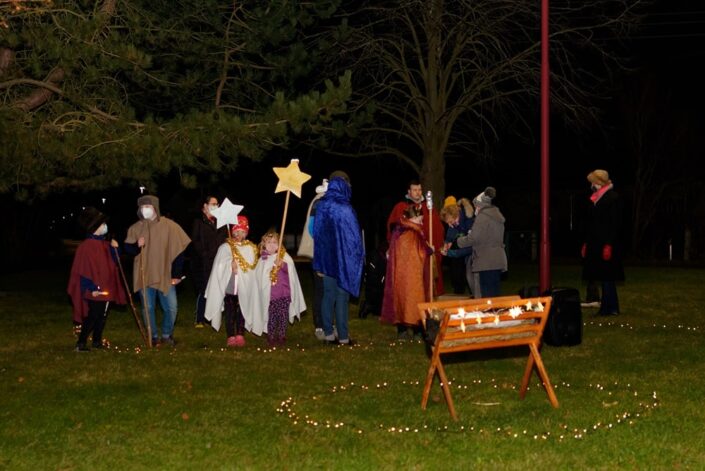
(604, 228)
(206, 239)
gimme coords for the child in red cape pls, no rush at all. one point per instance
(94, 281)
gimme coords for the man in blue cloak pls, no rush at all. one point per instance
(338, 255)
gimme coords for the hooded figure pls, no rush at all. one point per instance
(158, 243)
(94, 281)
(339, 256)
(338, 249)
(487, 240)
(164, 241)
(93, 262)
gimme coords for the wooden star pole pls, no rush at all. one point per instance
(145, 301)
(281, 235)
(290, 180)
(429, 205)
(145, 338)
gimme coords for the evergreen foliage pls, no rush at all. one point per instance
(97, 94)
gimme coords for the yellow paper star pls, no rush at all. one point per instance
(291, 178)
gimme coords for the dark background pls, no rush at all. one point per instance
(665, 56)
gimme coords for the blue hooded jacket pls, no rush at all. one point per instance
(338, 251)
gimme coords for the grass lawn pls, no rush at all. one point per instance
(631, 395)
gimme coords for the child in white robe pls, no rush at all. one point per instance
(232, 287)
(280, 290)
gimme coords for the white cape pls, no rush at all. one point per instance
(255, 316)
(264, 268)
(306, 244)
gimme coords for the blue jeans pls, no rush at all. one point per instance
(317, 299)
(334, 299)
(169, 306)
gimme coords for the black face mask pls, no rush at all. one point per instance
(593, 188)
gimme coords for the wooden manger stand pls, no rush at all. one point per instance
(479, 324)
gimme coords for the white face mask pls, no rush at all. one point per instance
(102, 230)
(212, 207)
(148, 213)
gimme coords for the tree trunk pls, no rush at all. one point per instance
(433, 167)
(433, 174)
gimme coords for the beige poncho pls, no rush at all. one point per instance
(164, 241)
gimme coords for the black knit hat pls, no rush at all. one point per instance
(90, 219)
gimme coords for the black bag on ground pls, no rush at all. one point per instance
(564, 326)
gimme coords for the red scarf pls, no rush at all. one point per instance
(595, 197)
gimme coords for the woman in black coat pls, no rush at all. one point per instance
(601, 251)
(206, 239)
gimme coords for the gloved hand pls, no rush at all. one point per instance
(607, 252)
(583, 250)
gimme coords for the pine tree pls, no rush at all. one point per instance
(94, 95)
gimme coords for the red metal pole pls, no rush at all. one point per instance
(545, 240)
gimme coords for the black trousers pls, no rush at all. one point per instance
(592, 292)
(234, 320)
(457, 275)
(94, 323)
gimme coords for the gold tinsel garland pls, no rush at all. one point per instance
(274, 274)
(242, 263)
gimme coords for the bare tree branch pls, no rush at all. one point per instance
(444, 73)
(227, 53)
(41, 95)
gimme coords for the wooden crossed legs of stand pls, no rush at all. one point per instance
(479, 324)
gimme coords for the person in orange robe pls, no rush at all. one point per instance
(415, 197)
(406, 283)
